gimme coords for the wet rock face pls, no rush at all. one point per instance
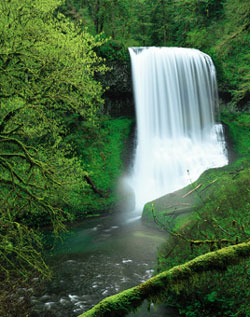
(119, 78)
(119, 105)
(119, 96)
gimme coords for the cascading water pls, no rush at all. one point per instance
(177, 139)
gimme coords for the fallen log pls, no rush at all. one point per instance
(92, 185)
(178, 212)
(177, 278)
(191, 191)
(206, 187)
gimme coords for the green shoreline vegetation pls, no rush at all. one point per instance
(60, 154)
(64, 70)
(211, 213)
(199, 270)
(175, 279)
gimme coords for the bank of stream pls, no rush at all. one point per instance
(98, 258)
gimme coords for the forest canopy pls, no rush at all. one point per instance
(219, 28)
(47, 70)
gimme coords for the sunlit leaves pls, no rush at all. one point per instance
(47, 73)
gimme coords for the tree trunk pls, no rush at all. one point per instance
(176, 278)
(92, 185)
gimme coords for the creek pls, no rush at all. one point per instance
(98, 258)
(177, 139)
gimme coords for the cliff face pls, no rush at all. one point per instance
(119, 94)
(119, 97)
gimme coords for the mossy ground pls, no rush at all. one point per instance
(218, 209)
(174, 208)
(102, 160)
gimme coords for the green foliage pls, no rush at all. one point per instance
(220, 217)
(177, 278)
(48, 64)
(222, 213)
(101, 157)
(47, 86)
(219, 28)
(113, 17)
(113, 51)
(239, 124)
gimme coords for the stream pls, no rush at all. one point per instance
(177, 139)
(98, 258)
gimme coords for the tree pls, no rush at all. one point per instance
(160, 19)
(48, 61)
(117, 19)
(47, 79)
(233, 50)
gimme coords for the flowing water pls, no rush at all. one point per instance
(176, 97)
(177, 139)
(100, 257)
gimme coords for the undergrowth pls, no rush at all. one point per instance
(101, 159)
(223, 214)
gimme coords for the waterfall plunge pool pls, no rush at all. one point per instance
(176, 97)
(99, 258)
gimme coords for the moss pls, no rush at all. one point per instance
(176, 278)
(173, 210)
(220, 199)
(101, 159)
(239, 126)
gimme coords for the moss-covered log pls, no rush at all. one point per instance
(176, 278)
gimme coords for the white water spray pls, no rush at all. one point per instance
(177, 139)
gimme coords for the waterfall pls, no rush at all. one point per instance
(175, 94)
